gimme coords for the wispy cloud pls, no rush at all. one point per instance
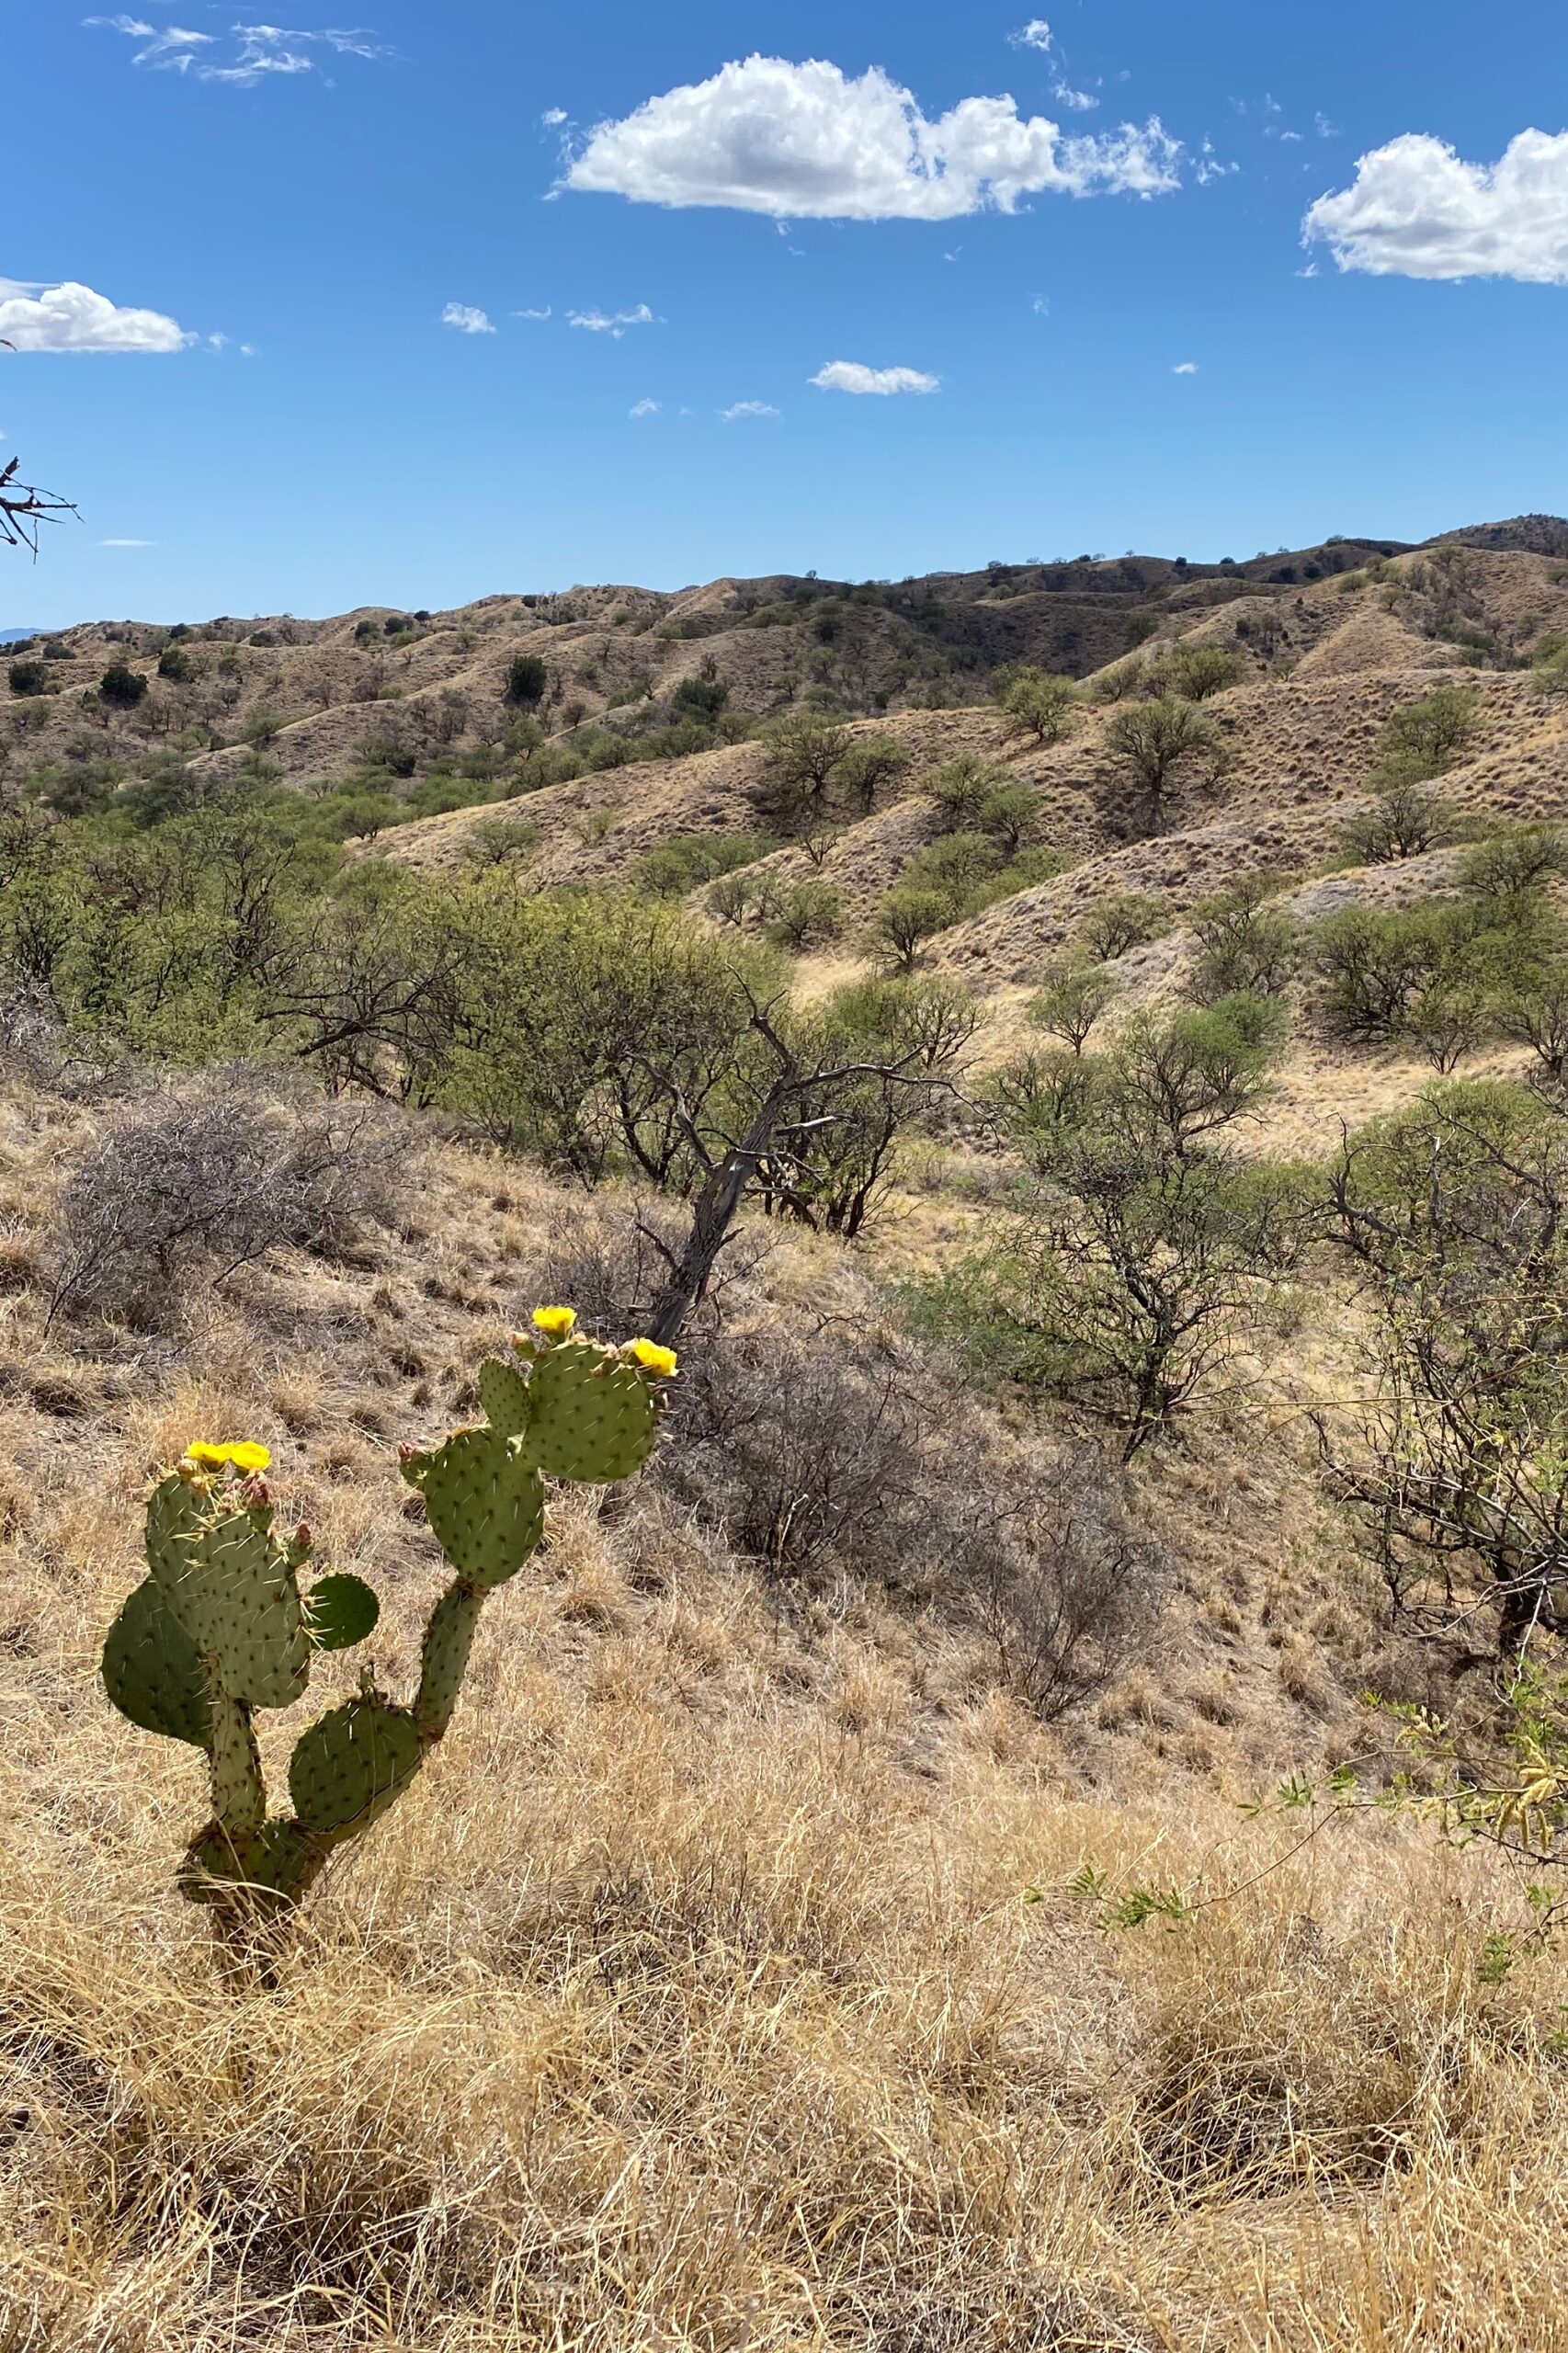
(612, 322)
(748, 408)
(128, 543)
(853, 376)
(806, 142)
(1209, 167)
(1185, 367)
(643, 408)
(532, 315)
(553, 116)
(1036, 34)
(173, 50)
(466, 319)
(248, 54)
(72, 317)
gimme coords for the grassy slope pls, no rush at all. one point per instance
(692, 1998)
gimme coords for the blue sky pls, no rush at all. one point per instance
(1034, 272)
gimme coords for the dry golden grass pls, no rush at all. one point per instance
(694, 1998)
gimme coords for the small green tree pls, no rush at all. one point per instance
(527, 676)
(871, 764)
(904, 921)
(1158, 744)
(1007, 813)
(1040, 702)
(1123, 920)
(804, 751)
(1147, 1251)
(1247, 947)
(1420, 740)
(806, 914)
(1075, 993)
(1403, 821)
(1456, 1210)
(1198, 671)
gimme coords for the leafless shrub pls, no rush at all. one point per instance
(838, 1446)
(1064, 1585)
(187, 1186)
(31, 1044)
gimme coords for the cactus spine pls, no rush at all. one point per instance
(220, 1627)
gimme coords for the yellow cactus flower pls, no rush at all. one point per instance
(246, 1456)
(652, 1358)
(556, 1322)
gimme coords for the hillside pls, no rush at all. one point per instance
(956, 1851)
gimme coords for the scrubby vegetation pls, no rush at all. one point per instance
(1031, 1814)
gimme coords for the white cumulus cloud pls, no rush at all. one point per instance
(466, 319)
(1417, 210)
(72, 318)
(612, 322)
(1036, 34)
(748, 408)
(806, 142)
(853, 376)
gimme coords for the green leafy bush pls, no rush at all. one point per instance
(527, 676)
(120, 686)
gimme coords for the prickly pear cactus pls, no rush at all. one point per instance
(220, 1627)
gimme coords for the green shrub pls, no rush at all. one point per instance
(1075, 993)
(1125, 920)
(1156, 745)
(688, 860)
(1421, 739)
(1146, 1252)
(527, 676)
(805, 913)
(1245, 946)
(30, 677)
(1198, 671)
(1403, 821)
(121, 685)
(906, 918)
(872, 762)
(1040, 702)
(699, 699)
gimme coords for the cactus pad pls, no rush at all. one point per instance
(152, 1670)
(592, 1413)
(503, 1394)
(280, 1863)
(448, 1640)
(340, 1611)
(485, 1505)
(229, 1584)
(351, 1766)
